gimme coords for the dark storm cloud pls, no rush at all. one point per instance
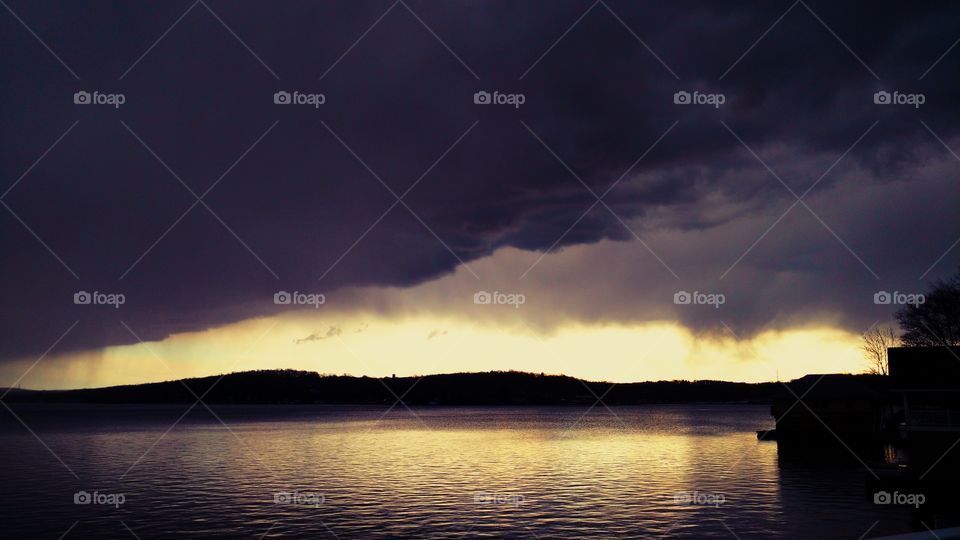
(288, 201)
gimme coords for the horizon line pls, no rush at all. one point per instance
(419, 376)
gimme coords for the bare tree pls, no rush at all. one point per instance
(876, 341)
(936, 321)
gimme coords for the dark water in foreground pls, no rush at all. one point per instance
(671, 471)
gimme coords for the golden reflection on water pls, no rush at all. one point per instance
(493, 470)
(654, 471)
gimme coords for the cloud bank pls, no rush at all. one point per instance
(200, 197)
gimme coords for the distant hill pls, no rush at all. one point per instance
(491, 388)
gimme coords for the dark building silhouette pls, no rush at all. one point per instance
(925, 390)
(926, 383)
(846, 407)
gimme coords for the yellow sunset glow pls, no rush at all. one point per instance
(361, 344)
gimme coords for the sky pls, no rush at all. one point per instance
(612, 190)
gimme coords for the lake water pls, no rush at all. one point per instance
(664, 471)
